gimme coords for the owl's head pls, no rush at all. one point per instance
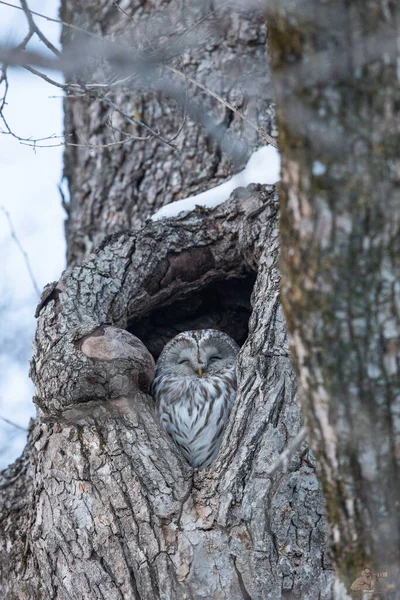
(198, 354)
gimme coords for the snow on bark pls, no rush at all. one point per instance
(263, 167)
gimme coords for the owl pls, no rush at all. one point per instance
(194, 387)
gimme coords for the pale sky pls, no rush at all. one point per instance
(28, 190)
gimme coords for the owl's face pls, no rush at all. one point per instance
(201, 353)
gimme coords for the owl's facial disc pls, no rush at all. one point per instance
(193, 363)
(190, 365)
(199, 354)
(214, 357)
(183, 361)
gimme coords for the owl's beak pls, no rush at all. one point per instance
(200, 372)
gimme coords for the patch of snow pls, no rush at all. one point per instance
(263, 167)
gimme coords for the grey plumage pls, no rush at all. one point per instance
(194, 387)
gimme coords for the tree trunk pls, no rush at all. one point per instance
(116, 510)
(103, 505)
(335, 70)
(115, 188)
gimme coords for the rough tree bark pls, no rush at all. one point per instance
(335, 70)
(115, 511)
(116, 188)
(102, 505)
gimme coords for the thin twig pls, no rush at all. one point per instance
(3, 77)
(45, 77)
(234, 146)
(287, 453)
(259, 130)
(24, 254)
(5, 80)
(32, 141)
(34, 28)
(111, 84)
(26, 39)
(202, 19)
(133, 20)
(82, 89)
(13, 424)
(109, 145)
(133, 119)
(90, 90)
(52, 20)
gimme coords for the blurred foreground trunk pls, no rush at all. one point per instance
(335, 72)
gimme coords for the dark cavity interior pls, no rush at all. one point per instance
(223, 305)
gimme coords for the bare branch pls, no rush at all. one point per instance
(19, 57)
(287, 453)
(131, 118)
(32, 141)
(234, 146)
(270, 140)
(34, 29)
(13, 424)
(3, 79)
(23, 252)
(45, 77)
(128, 139)
(52, 20)
(92, 93)
(140, 69)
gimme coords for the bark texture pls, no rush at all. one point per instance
(116, 512)
(335, 70)
(113, 188)
(103, 505)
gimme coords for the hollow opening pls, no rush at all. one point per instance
(223, 305)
